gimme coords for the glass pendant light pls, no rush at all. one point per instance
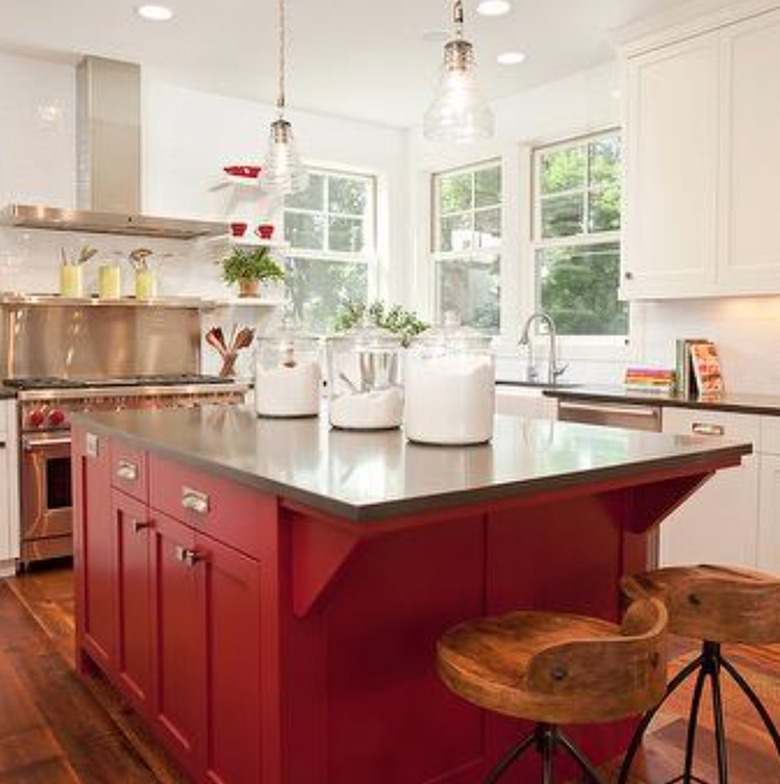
(459, 112)
(282, 172)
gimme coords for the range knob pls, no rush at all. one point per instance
(56, 417)
(35, 418)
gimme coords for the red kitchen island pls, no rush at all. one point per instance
(267, 594)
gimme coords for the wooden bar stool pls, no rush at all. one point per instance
(553, 669)
(714, 604)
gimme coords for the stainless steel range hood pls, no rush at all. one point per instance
(108, 133)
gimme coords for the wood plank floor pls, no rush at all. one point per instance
(56, 730)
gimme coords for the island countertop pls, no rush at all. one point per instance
(364, 476)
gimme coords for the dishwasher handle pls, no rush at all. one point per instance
(633, 417)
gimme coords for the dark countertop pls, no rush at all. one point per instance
(376, 475)
(740, 403)
(6, 392)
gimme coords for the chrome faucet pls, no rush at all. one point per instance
(553, 369)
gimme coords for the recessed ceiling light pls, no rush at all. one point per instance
(510, 58)
(494, 7)
(154, 13)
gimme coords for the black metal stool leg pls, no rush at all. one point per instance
(580, 758)
(547, 742)
(717, 713)
(693, 718)
(771, 728)
(636, 739)
(513, 753)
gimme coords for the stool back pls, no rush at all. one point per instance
(624, 675)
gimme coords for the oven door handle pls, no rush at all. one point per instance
(29, 443)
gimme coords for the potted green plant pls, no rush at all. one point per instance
(249, 266)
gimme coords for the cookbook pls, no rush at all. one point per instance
(706, 368)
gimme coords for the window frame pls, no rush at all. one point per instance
(581, 344)
(477, 255)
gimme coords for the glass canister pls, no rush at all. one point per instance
(365, 392)
(287, 374)
(449, 386)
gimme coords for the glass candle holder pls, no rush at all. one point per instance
(109, 281)
(145, 284)
(71, 281)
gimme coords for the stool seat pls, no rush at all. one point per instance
(558, 668)
(715, 603)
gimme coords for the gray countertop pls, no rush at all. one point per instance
(741, 403)
(376, 475)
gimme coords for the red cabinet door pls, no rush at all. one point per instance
(231, 605)
(134, 652)
(94, 548)
(177, 634)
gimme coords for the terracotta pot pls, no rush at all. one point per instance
(248, 288)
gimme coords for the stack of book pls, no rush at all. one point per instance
(647, 379)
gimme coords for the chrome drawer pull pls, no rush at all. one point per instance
(126, 470)
(706, 429)
(187, 556)
(194, 500)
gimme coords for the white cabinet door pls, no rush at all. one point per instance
(750, 260)
(719, 522)
(769, 518)
(9, 489)
(670, 216)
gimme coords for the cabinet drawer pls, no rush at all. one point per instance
(128, 470)
(7, 410)
(770, 435)
(229, 512)
(694, 421)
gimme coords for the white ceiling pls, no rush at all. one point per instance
(355, 58)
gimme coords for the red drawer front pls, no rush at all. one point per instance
(234, 515)
(128, 470)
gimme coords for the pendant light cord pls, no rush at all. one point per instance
(280, 85)
(457, 17)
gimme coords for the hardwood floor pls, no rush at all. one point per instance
(56, 730)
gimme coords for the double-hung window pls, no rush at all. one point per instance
(576, 237)
(330, 229)
(466, 244)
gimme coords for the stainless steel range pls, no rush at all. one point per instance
(45, 406)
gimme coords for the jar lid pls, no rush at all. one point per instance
(451, 334)
(365, 336)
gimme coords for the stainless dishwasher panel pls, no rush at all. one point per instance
(628, 415)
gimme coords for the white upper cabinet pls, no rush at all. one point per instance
(703, 163)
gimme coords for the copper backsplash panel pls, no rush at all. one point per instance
(97, 341)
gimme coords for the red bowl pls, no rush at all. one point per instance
(238, 229)
(250, 172)
(265, 231)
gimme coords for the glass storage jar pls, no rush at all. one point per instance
(287, 374)
(449, 386)
(365, 392)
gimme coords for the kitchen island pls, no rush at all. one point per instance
(267, 594)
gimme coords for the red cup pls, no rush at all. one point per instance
(265, 231)
(238, 229)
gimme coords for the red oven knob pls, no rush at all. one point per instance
(56, 417)
(35, 418)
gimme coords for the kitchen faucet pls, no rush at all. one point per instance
(553, 369)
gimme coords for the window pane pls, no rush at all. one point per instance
(604, 210)
(487, 228)
(455, 193)
(605, 161)
(579, 289)
(471, 289)
(304, 231)
(562, 170)
(563, 216)
(346, 235)
(313, 198)
(318, 287)
(347, 196)
(487, 187)
(456, 233)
